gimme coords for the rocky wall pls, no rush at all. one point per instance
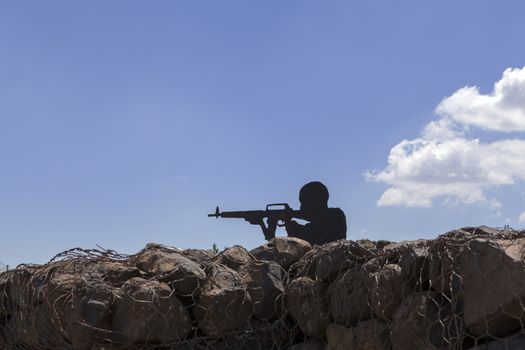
(463, 290)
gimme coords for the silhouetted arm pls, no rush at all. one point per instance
(293, 228)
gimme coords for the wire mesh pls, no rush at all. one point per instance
(462, 290)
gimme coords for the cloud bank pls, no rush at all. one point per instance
(445, 162)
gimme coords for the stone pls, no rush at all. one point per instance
(20, 295)
(224, 303)
(234, 257)
(310, 344)
(147, 312)
(28, 320)
(465, 289)
(305, 301)
(483, 231)
(515, 342)
(443, 254)
(348, 295)
(381, 244)
(53, 309)
(3, 340)
(367, 335)
(326, 262)
(5, 309)
(105, 345)
(493, 286)
(424, 322)
(264, 281)
(116, 272)
(79, 306)
(169, 265)
(242, 343)
(203, 257)
(33, 329)
(364, 291)
(441, 264)
(414, 263)
(386, 286)
(283, 250)
(367, 244)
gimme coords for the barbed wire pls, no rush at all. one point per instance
(463, 290)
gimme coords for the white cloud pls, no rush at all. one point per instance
(442, 129)
(502, 110)
(443, 161)
(522, 217)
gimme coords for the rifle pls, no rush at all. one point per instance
(275, 217)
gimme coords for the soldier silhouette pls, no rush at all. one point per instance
(325, 224)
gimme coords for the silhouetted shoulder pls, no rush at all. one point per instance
(337, 219)
(336, 212)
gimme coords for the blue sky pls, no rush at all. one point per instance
(126, 122)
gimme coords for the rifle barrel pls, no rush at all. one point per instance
(257, 213)
(242, 214)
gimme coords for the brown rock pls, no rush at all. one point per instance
(411, 321)
(381, 244)
(366, 290)
(5, 309)
(54, 309)
(329, 260)
(9, 333)
(234, 257)
(385, 291)
(79, 306)
(310, 344)
(305, 300)
(481, 231)
(367, 335)
(444, 251)
(3, 340)
(203, 257)
(147, 312)
(116, 272)
(441, 264)
(283, 250)
(414, 262)
(366, 243)
(33, 329)
(25, 322)
(224, 303)
(493, 280)
(242, 343)
(348, 295)
(516, 342)
(106, 345)
(264, 280)
(19, 292)
(171, 266)
(421, 322)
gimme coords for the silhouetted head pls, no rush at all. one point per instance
(313, 197)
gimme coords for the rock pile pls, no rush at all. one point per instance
(463, 290)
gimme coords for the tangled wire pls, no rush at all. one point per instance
(463, 290)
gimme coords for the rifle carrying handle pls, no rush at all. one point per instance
(284, 205)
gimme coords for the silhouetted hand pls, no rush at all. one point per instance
(292, 226)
